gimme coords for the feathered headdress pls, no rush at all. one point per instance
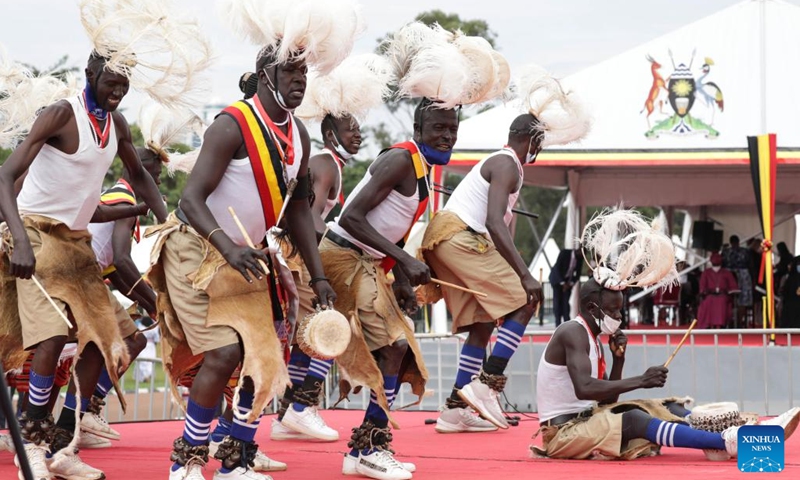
(160, 127)
(563, 118)
(628, 251)
(450, 69)
(358, 85)
(23, 95)
(321, 32)
(146, 41)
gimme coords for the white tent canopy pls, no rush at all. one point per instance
(747, 51)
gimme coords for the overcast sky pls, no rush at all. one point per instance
(561, 35)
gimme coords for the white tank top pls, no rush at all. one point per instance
(392, 218)
(66, 187)
(101, 243)
(555, 393)
(470, 199)
(332, 202)
(238, 189)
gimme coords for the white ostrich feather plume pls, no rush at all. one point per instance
(161, 127)
(563, 117)
(358, 85)
(628, 251)
(161, 53)
(450, 68)
(320, 32)
(23, 96)
(259, 22)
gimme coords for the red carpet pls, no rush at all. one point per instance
(143, 454)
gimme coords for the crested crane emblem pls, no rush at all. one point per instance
(685, 103)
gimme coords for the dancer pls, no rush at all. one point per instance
(67, 153)
(212, 293)
(365, 242)
(469, 243)
(337, 101)
(572, 375)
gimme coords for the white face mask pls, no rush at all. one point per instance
(608, 325)
(716, 268)
(340, 150)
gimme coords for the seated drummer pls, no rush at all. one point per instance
(578, 414)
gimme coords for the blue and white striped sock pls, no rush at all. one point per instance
(374, 412)
(70, 402)
(319, 368)
(222, 430)
(508, 338)
(240, 429)
(672, 434)
(197, 425)
(469, 364)
(298, 366)
(103, 384)
(39, 389)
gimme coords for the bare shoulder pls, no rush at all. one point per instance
(56, 114)
(572, 334)
(121, 124)
(392, 159)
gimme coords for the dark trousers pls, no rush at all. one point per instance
(561, 304)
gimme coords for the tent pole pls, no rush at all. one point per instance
(524, 206)
(762, 20)
(549, 231)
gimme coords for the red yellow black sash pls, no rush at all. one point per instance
(421, 173)
(264, 158)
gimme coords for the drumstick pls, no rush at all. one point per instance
(247, 238)
(685, 336)
(50, 299)
(538, 305)
(458, 287)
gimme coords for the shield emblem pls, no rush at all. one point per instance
(681, 90)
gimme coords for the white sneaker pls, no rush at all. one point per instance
(381, 465)
(6, 443)
(462, 420)
(731, 441)
(350, 462)
(262, 463)
(787, 420)
(69, 466)
(280, 432)
(192, 471)
(310, 423)
(96, 424)
(485, 401)
(37, 459)
(240, 474)
(90, 441)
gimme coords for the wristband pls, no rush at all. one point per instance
(317, 279)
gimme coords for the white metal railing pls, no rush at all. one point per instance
(758, 377)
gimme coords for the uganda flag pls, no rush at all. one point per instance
(763, 169)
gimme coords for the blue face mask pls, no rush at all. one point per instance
(434, 156)
(91, 103)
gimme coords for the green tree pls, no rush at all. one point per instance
(400, 123)
(59, 69)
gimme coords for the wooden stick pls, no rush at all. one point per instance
(50, 299)
(685, 336)
(247, 238)
(458, 287)
(539, 305)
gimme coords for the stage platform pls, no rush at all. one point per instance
(143, 454)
